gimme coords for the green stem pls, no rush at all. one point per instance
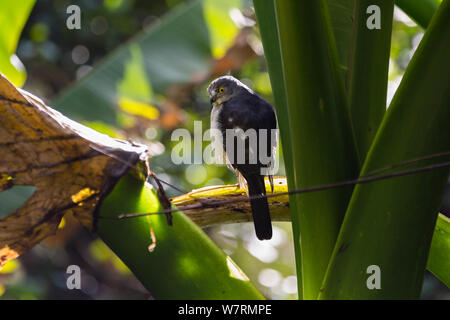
(390, 223)
(322, 141)
(369, 72)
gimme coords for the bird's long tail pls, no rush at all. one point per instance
(260, 207)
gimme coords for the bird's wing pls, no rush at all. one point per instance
(251, 112)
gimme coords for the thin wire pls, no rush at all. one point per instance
(133, 166)
(168, 184)
(299, 191)
(151, 173)
(431, 156)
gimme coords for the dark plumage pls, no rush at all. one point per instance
(235, 106)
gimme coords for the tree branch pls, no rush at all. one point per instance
(210, 213)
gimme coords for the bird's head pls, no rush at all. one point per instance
(224, 88)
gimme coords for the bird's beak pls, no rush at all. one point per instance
(212, 99)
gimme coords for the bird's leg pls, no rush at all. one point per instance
(271, 182)
(242, 183)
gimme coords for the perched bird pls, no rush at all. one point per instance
(234, 107)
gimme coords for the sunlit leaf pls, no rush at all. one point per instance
(10, 267)
(138, 108)
(13, 16)
(222, 29)
(135, 83)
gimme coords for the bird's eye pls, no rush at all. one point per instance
(221, 90)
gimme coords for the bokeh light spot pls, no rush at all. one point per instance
(99, 25)
(80, 54)
(289, 285)
(269, 277)
(195, 174)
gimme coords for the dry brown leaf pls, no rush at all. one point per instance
(72, 166)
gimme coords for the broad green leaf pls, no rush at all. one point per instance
(420, 11)
(221, 28)
(13, 15)
(172, 262)
(341, 17)
(322, 147)
(439, 258)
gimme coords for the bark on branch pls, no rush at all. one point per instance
(212, 214)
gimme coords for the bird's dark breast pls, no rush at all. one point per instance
(248, 112)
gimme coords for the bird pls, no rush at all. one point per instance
(236, 108)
